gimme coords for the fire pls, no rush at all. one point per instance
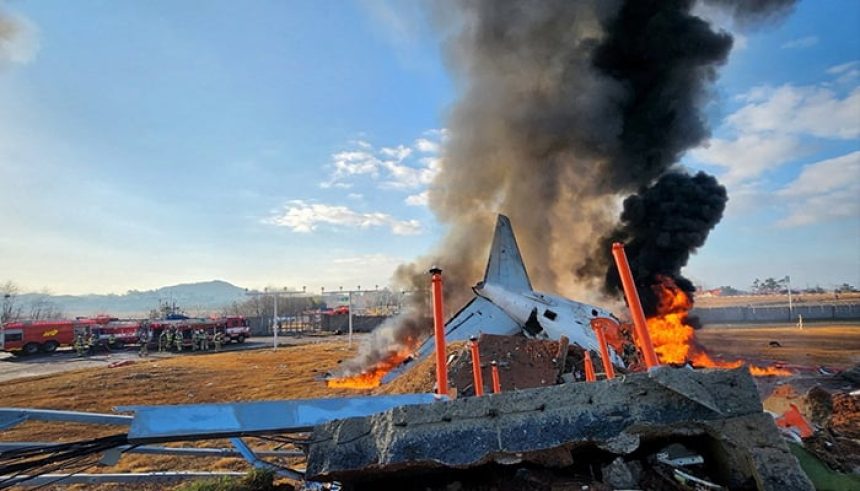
(372, 377)
(674, 339)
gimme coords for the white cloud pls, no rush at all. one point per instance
(426, 146)
(748, 155)
(366, 270)
(843, 68)
(398, 153)
(399, 167)
(815, 111)
(419, 199)
(355, 196)
(825, 190)
(19, 39)
(301, 216)
(846, 73)
(804, 42)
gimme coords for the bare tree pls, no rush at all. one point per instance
(11, 309)
(42, 307)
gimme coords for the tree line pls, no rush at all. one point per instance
(40, 307)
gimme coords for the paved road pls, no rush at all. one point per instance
(14, 367)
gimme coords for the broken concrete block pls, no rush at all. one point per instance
(534, 425)
(619, 475)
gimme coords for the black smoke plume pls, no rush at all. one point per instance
(661, 226)
(565, 108)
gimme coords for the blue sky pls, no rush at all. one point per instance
(289, 143)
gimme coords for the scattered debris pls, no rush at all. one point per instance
(568, 428)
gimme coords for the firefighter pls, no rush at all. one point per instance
(162, 341)
(178, 340)
(79, 343)
(91, 340)
(169, 331)
(195, 338)
(204, 340)
(143, 338)
(111, 341)
(218, 339)
(144, 343)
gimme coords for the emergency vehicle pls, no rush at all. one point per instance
(31, 337)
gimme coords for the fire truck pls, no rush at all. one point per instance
(233, 328)
(32, 337)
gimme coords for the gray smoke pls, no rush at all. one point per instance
(566, 107)
(18, 39)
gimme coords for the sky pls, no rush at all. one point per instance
(290, 144)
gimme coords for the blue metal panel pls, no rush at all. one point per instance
(199, 421)
(11, 416)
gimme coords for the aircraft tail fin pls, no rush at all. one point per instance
(505, 266)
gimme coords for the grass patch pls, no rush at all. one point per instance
(256, 479)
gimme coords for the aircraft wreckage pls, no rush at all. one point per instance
(624, 431)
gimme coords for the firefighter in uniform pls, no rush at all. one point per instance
(162, 340)
(204, 340)
(169, 331)
(79, 343)
(144, 340)
(178, 340)
(111, 341)
(194, 340)
(218, 339)
(91, 340)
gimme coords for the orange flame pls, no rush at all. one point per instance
(674, 339)
(372, 377)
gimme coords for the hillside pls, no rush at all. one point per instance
(192, 297)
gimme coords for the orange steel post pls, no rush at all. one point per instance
(439, 328)
(635, 305)
(589, 368)
(497, 385)
(476, 366)
(597, 324)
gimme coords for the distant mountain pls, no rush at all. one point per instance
(193, 298)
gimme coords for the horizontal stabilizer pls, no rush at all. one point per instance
(505, 267)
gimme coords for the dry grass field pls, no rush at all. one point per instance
(835, 346)
(289, 373)
(294, 372)
(774, 300)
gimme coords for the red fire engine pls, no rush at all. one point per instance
(31, 337)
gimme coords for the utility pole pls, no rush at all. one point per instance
(6, 298)
(790, 304)
(275, 323)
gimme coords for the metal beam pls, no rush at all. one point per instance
(46, 479)
(201, 421)
(181, 451)
(12, 416)
(252, 459)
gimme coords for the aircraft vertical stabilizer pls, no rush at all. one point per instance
(505, 267)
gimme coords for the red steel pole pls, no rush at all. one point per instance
(597, 324)
(476, 366)
(589, 367)
(439, 328)
(635, 305)
(497, 385)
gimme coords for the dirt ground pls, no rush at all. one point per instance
(289, 373)
(833, 346)
(294, 372)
